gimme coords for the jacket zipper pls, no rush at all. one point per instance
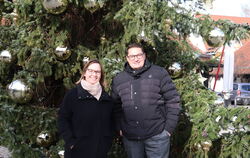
(131, 86)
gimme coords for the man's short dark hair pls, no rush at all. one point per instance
(134, 45)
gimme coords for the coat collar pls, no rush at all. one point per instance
(84, 94)
(137, 73)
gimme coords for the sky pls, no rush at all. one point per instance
(239, 8)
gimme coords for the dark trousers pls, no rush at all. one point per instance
(157, 146)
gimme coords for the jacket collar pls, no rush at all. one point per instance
(84, 94)
(137, 73)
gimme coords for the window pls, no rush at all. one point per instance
(246, 87)
(235, 87)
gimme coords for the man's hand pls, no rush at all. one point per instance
(168, 134)
(120, 132)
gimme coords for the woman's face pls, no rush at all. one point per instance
(93, 73)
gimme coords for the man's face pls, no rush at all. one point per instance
(136, 58)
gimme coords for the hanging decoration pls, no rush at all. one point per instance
(103, 39)
(85, 60)
(215, 38)
(19, 91)
(168, 24)
(55, 6)
(61, 154)
(14, 16)
(142, 36)
(45, 139)
(62, 53)
(101, 3)
(206, 145)
(92, 5)
(5, 56)
(175, 70)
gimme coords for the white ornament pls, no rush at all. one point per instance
(61, 153)
(43, 136)
(234, 118)
(5, 56)
(55, 6)
(45, 139)
(52, 4)
(91, 5)
(218, 119)
(85, 59)
(175, 66)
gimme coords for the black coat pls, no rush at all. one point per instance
(146, 101)
(86, 123)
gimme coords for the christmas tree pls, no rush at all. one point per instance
(44, 44)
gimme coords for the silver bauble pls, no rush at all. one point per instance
(215, 38)
(62, 53)
(45, 139)
(61, 154)
(197, 146)
(142, 36)
(101, 3)
(206, 145)
(91, 5)
(85, 60)
(19, 91)
(55, 6)
(175, 69)
(5, 56)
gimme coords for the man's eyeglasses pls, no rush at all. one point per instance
(94, 71)
(138, 56)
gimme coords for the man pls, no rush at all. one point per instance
(147, 106)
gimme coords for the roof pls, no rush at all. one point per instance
(234, 19)
(242, 59)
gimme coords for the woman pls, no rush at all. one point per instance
(85, 116)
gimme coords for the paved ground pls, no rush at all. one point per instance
(4, 152)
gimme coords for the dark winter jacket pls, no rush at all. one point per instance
(146, 101)
(86, 123)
